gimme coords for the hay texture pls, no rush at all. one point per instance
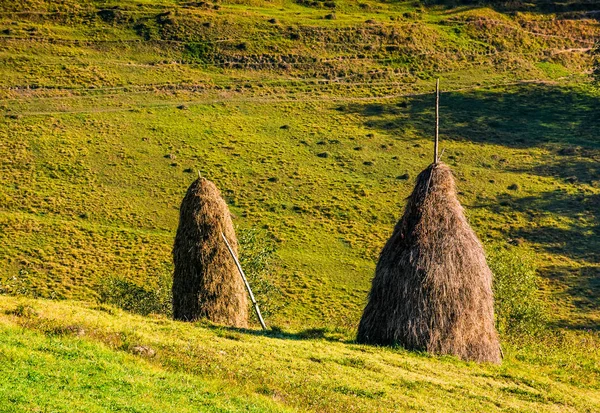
(432, 288)
(206, 282)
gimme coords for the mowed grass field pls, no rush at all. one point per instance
(313, 120)
(66, 355)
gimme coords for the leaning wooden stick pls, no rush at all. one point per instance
(437, 120)
(239, 267)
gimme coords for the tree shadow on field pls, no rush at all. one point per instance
(517, 117)
(326, 334)
(582, 285)
(561, 119)
(571, 9)
(570, 168)
(576, 234)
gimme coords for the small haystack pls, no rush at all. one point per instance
(432, 288)
(206, 282)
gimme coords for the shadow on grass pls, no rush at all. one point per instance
(278, 333)
(570, 165)
(573, 8)
(583, 286)
(518, 117)
(562, 120)
(568, 225)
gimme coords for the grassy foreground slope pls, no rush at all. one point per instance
(52, 351)
(55, 370)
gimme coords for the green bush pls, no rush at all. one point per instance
(257, 257)
(519, 310)
(144, 300)
(200, 52)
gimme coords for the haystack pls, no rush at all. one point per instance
(432, 288)
(206, 282)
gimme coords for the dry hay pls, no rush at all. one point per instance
(432, 288)
(206, 282)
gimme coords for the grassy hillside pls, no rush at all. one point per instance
(115, 361)
(305, 122)
(313, 118)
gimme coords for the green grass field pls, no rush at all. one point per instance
(78, 356)
(313, 120)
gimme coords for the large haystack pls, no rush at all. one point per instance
(432, 288)
(206, 282)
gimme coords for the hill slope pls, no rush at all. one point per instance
(52, 350)
(313, 118)
(306, 116)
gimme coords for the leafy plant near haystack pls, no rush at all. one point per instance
(519, 309)
(139, 299)
(258, 259)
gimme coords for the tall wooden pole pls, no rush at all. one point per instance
(437, 120)
(239, 267)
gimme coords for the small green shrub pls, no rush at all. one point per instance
(257, 257)
(21, 285)
(519, 310)
(144, 300)
(201, 52)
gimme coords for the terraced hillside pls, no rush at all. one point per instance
(313, 118)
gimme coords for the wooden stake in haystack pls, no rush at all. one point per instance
(205, 280)
(432, 288)
(437, 121)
